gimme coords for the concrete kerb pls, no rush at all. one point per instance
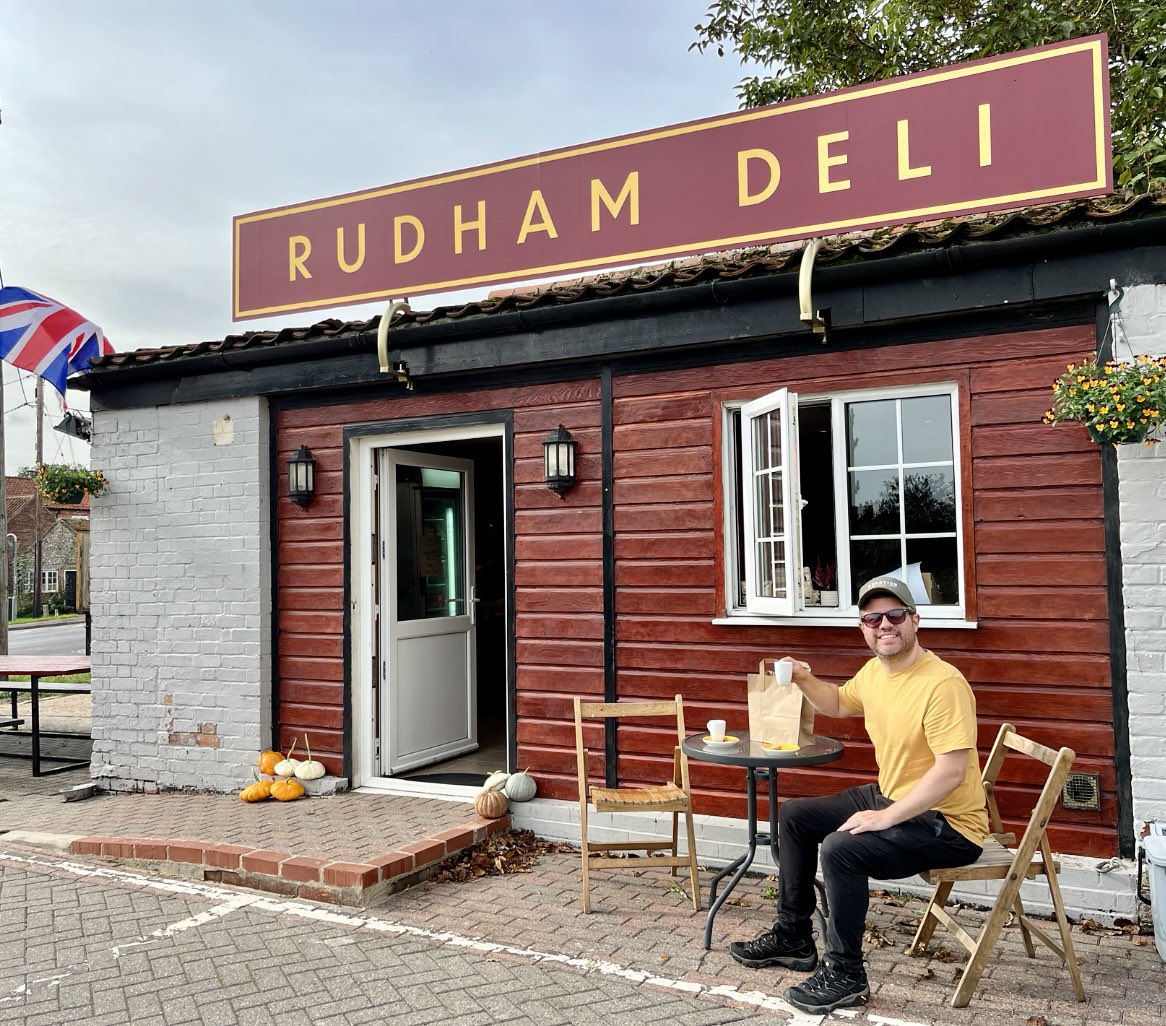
(331, 881)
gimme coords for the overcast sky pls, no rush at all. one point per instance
(133, 131)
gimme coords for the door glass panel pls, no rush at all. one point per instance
(431, 577)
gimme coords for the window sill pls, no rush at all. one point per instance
(850, 620)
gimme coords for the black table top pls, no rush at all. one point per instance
(747, 752)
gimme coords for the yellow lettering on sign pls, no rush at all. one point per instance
(629, 194)
(985, 134)
(905, 169)
(399, 222)
(544, 224)
(345, 266)
(827, 160)
(299, 248)
(460, 227)
(744, 197)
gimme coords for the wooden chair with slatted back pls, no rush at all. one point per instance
(673, 796)
(1032, 857)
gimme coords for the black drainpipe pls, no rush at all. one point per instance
(1114, 581)
(607, 433)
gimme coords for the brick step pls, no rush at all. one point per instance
(334, 881)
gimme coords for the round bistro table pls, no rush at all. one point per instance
(760, 764)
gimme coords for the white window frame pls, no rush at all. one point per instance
(792, 608)
(45, 586)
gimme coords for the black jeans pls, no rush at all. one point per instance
(927, 841)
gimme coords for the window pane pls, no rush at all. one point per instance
(871, 433)
(874, 502)
(927, 429)
(768, 511)
(767, 570)
(872, 559)
(929, 499)
(937, 559)
(763, 518)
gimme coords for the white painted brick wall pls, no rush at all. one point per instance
(1142, 487)
(180, 593)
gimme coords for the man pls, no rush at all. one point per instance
(926, 812)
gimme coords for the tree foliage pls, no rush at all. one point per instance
(815, 46)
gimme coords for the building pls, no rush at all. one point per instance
(63, 530)
(228, 618)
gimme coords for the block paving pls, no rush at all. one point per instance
(515, 947)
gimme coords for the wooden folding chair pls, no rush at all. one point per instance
(674, 796)
(1032, 857)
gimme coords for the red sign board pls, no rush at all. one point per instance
(1025, 128)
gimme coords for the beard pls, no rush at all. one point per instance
(901, 655)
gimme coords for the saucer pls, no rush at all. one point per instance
(729, 742)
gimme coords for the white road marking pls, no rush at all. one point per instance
(231, 901)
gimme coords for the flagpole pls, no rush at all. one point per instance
(36, 559)
(3, 528)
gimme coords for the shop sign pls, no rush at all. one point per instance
(1024, 128)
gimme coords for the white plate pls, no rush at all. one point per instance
(729, 742)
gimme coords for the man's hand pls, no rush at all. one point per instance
(867, 820)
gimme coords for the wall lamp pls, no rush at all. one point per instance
(559, 461)
(301, 477)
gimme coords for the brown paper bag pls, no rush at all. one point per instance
(779, 714)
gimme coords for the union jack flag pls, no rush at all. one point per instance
(39, 335)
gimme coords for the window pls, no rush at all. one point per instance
(48, 580)
(824, 492)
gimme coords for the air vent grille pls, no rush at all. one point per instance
(1082, 791)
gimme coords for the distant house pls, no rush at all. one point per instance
(64, 533)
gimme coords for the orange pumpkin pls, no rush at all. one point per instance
(267, 761)
(256, 792)
(287, 790)
(490, 804)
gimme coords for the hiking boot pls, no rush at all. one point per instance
(830, 987)
(777, 947)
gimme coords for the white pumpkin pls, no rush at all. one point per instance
(287, 767)
(309, 768)
(520, 787)
(496, 781)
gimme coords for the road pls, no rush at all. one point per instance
(106, 947)
(55, 639)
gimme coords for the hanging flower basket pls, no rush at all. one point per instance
(1118, 402)
(67, 485)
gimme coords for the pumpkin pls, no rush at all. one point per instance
(268, 760)
(496, 781)
(287, 767)
(309, 769)
(521, 787)
(287, 790)
(257, 792)
(490, 804)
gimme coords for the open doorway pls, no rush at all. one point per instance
(489, 576)
(432, 705)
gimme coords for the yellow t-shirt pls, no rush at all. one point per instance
(913, 716)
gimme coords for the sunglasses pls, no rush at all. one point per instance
(894, 617)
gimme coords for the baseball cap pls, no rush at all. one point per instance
(890, 586)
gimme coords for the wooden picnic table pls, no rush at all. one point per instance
(37, 667)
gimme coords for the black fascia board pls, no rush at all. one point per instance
(1035, 270)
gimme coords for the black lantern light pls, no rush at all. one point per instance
(301, 477)
(559, 461)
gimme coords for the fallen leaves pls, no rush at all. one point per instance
(499, 855)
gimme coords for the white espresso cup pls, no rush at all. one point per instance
(783, 671)
(717, 729)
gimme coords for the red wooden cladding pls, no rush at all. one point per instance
(1039, 658)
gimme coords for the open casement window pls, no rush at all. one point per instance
(769, 472)
(824, 492)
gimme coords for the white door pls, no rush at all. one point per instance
(428, 708)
